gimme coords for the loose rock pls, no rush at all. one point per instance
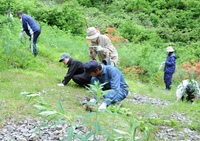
(142, 99)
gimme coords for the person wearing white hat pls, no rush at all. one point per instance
(170, 67)
(101, 46)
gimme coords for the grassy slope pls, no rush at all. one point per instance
(44, 72)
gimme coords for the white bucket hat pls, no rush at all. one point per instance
(92, 33)
(170, 49)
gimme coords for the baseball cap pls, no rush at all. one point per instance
(91, 66)
(63, 56)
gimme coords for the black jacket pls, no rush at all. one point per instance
(75, 67)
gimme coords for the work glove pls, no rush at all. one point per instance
(93, 100)
(162, 64)
(102, 107)
(61, 85)
(21, 34)
(98, 48)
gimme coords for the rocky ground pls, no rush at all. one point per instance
(142, 99)
(37, 130)
(28, 129)
(167, 133)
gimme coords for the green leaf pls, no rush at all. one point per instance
(88, 135)
(121, 132)
(70, 133)
(47, 113)
(40, 107)
(79, 117)
(81, 137)
(96, 127)
(107, 133)
(33, 95)
(60, 107)
(88, 116)
(25, 93)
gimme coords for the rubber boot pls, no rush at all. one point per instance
(165, 87)
(168, 87)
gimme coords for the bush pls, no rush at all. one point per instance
(67, 16)
(149, 25)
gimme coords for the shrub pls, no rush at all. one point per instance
(67, 16)
(192, 69)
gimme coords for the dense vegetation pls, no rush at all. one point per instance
(148, 25)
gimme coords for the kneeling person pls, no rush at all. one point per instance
(113, 80)
(75, 71)
(188, 88)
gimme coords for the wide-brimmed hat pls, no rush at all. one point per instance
(170, 49)
(91, 66)
(63, 56)
(92, 33)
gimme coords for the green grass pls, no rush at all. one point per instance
(15, 81)
(41, 74)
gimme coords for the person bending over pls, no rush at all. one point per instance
(189, 89)
(113, 80)
(101, 46)
(75, 71)
(32, 29)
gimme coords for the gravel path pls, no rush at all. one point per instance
(28, 130)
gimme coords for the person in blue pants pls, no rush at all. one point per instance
(170, 67)
(113, 80)
(32, 29)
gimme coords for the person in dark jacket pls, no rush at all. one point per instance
(75, 71)
(32, 29)
(188, 88)
(170, 67)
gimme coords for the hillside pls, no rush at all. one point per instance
(149, 26)
(139, 29)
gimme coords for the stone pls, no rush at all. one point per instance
(59, 127)
(24, 130)
(10, 128)
(21, 139)
(33, 137)
(4, 130)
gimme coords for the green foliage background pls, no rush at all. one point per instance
(149, 25)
